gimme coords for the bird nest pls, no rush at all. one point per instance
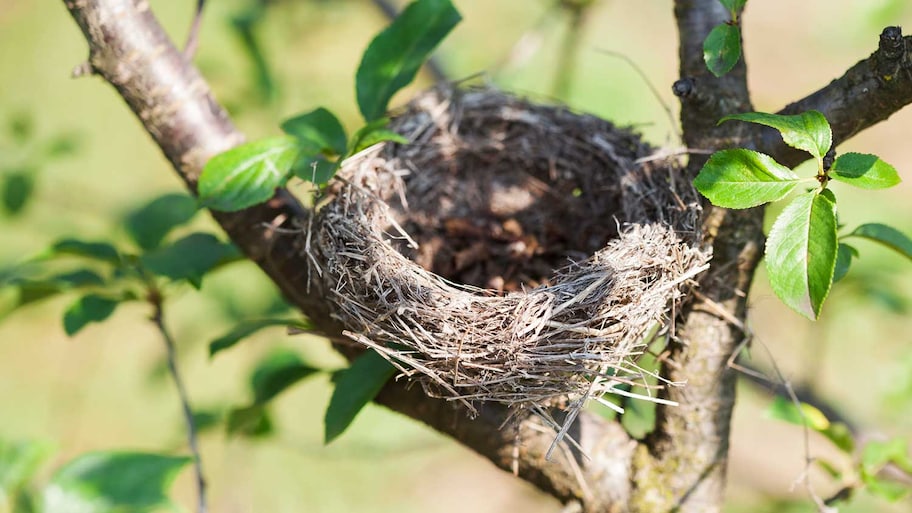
(510, 252)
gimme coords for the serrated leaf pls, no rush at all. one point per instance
(394, 56)
(247, 328)
(844, 255)
(886, 235)
(318, 131)
(864, 171)
(276, 373)
(733, 5)
(801, 252)
(19, 461)
(809, 131)
(151, 223)
(190, 257)
(722, 48)
(247, 174)
(104, 482)
(355, 387)
(18, 187)
(101, 251)
(317, 170)
(86, 310)
(786, 410)
(743, 179)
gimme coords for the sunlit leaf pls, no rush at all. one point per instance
(801, 252)
(105, 482)
(743, 178)
(808, 131)
(877, 453)
(841, 436)
(394, 56)
(864, 171)
(379, 135)
(355, 387)
(318, 131)
(722, 48)
(786, 410)
(151, 223)
(733, 5)
(19, 461)
(247, 328)
(886, 235)
(247, 174)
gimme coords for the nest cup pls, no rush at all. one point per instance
(510, 252)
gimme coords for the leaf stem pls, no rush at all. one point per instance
(156, 299)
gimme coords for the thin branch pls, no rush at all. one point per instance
(193, 36)
(158, 317)
(566, 63)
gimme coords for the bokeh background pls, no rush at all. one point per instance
(107, 388)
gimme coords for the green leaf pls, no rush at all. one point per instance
(276, 373)
(841, 436)
(801, 252)
(190, 258)
(247, 328)
(888, 490)
(355, 387)
(318, 131)
(375, 136)
(786, 410)
(315, 169)
(252, 421)
(18, 187)
(87, 309)
(733, 5)
(19, 461)
(31, 291)
(886, 235)
(876, 454)
(151, 223)
(808, 131)
(394, 56)
(101, 251)
(247, 174)
(844, 255)
(864, 171)
(829, 468)
(744, 178)
(105, 482)
(722, 48)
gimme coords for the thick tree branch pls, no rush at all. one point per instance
(682, 464)
(130, 50)
(868, 93)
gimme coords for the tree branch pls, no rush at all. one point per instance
(868, 93)
(682, 464)
(130, 50)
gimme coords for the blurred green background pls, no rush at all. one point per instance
(107, 389)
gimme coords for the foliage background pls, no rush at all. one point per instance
(107, 388)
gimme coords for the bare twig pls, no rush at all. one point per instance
(193, 37)
(158, 317)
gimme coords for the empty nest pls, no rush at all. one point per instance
(510, 252)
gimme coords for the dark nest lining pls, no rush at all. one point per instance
(441, 254)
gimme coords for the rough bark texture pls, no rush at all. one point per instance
(681, 465)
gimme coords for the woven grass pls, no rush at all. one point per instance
(623, 234)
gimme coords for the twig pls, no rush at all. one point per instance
(563, 80)
(158, 318)
(193, 37)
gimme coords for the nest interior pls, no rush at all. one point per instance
(510, 252)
